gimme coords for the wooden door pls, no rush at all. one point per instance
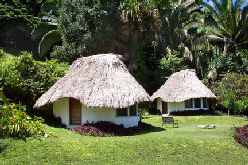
(75, 112)
(164, 108)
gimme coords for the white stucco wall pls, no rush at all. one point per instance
(97, 114)
(61, 108)
(107, 114)
(176, 106)
(159, 104)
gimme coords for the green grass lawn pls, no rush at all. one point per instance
(184, 145)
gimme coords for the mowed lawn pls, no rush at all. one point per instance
(184, 145)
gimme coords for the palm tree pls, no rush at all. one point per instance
(181, 21)
(141, 23)
(178, 26)
(227, 22)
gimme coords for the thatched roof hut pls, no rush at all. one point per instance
(97, 81)
(182, 86)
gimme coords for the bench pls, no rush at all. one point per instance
(169, 120)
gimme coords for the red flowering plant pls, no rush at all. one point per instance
(241, 135)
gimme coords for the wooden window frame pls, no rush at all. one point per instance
(199, 102)
(192, 102)
(121, 109)
(128, 112)
(207, 103)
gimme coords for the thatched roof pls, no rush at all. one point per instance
(182, 86)
(97, 81)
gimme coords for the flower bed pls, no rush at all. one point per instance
(241, 135)
(106, 128)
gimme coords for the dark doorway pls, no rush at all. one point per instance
(164, 108)
(75, 112)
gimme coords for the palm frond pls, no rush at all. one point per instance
(206, 37)
(48, 40)
(244, 15)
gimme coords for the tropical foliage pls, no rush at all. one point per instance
(24, 79)
(232, 92)
(14, 122)
(156, 38)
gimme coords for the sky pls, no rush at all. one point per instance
(244, 4)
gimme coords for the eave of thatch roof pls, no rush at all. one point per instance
(182, 86)
(97, 81)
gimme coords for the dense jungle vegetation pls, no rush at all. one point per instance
(40, 39)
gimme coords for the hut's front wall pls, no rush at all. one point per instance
(171, 106)
(175, 106)
(107, 114)
(89, 115)
(95, 114)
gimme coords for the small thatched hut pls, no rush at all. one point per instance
(96, 88)
(182, 91)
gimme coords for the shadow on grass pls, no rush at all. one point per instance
(141, 131)
(146, 117)
(56, 125)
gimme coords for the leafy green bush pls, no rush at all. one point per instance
(231, 103)
(235, 105)
(24, 79)
(232, 92)
(14, 122)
